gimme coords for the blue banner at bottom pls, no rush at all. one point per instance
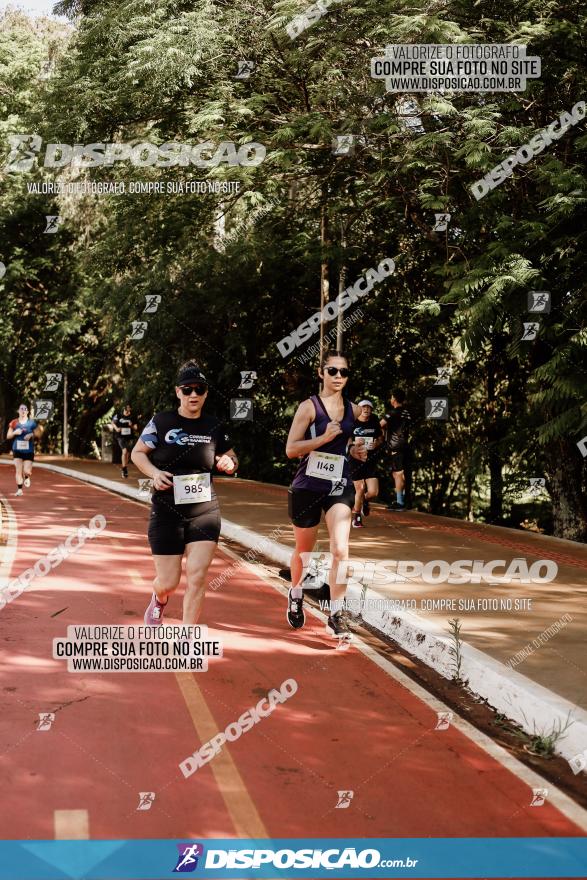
(303, 858)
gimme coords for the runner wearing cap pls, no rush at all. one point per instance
(23, 432)
(320, 433)
(123, 424)
(364, 473)
(178, 450)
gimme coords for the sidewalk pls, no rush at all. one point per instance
(546, 682)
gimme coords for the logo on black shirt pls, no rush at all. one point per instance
(179, 436)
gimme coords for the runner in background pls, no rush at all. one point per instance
(23, 432)
(178, 450)
(320, 433)
(397, 424)
(124, 426)
(363, 474)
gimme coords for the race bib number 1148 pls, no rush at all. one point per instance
(325, 465)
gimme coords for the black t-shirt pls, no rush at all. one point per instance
(397, 430)
(123, 422)
(184, 446)
(370, 428)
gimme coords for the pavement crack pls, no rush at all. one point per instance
(70, 703)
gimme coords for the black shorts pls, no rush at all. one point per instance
(26, 456)
(171, 528)
(363, 470)
(305, 507)
(399, 459)
(125, 442)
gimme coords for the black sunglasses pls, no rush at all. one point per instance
(332, 371)
(186, 390)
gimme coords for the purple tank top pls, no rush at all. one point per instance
(337, 446)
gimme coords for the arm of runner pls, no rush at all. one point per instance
(358, 449)
(11, 430)
(378, 439)
(406, 424)
(296, 446)
(113, 425)
(140, 457)
(227, 462)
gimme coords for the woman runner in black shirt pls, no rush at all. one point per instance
(179, 449)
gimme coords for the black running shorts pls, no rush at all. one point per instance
(26, 456)
(125, 442)
(171, 528)
(305, 507)
(399, 459)
(363, 470)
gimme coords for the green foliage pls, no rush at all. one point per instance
(165, 71)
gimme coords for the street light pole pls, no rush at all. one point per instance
(341, 282)
(65, 430)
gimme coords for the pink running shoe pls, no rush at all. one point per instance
(154, 613)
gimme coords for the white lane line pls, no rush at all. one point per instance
(8, 550)
(71, 824)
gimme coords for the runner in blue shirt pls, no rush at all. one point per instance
(23, 432)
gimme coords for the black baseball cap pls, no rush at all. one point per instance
(189, 375)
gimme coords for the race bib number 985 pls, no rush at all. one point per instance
(325, 465)
(192, 488)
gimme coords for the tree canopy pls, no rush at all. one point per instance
(237, 271)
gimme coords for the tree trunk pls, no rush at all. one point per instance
(342, 275)
(84, 431)
(565, 481)
(493, 437)
(469, 482)
(324, 266)
(9, 402)
(496, 486)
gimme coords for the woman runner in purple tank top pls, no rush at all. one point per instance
(320, 434)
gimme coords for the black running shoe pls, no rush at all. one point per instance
(337, 625)
(366, 508)
(124, 472)
(395, 506)
(295, 611)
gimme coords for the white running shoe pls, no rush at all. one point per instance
(18, 492)
(27, 482)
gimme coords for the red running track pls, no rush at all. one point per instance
(351, 725)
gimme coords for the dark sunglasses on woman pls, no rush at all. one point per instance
(332, 371)
(199, 389)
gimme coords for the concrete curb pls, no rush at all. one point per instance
(537, 709)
